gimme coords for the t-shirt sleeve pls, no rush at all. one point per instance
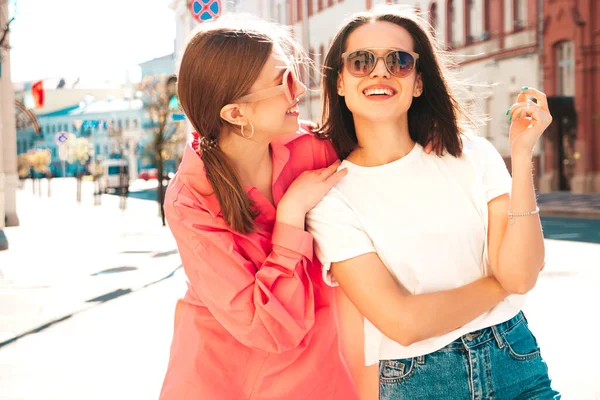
(337, 232)
(496, 178)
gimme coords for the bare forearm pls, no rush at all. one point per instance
(433, 314)
(521, 253)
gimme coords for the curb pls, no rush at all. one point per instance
(586, 213)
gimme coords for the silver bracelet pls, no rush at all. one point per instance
(523, 214)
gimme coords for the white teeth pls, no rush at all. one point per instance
(379, 91)
(293, 110)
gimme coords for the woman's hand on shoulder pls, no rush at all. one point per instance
(306, 191)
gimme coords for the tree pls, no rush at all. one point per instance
(40, 160)
(23, 165)
(79, 150)
(158, 94)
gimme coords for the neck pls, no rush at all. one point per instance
(251, 159)
(381, 142)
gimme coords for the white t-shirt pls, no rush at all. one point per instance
(426, 217)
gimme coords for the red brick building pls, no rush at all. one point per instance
(571, 61)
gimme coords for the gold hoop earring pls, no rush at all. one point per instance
(251, 126)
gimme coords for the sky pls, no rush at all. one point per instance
(97, 40)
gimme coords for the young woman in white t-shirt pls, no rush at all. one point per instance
(413, 239)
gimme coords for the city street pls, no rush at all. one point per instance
(87, 296)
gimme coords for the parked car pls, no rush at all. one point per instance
(111, 177)
(148, 173)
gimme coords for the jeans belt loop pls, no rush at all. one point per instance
(497, 336)
(421, 360)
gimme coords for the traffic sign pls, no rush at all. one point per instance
(205, 10)
(61, 137)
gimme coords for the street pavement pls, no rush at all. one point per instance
(87, 296)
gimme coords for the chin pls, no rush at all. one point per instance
(379, 115)
(286, 128)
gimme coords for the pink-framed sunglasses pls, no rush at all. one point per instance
(290, 86)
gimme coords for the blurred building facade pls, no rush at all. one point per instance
(570, 59)
(112, 127)
(500, 46)
(164, 65)
(495, 42)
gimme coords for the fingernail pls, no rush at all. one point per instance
(510, 119)
(507, 111)
(524, 88)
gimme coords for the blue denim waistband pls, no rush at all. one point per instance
(477, 338)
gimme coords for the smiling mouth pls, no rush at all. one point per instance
(379, 92)
(293, 110)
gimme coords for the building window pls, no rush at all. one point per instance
(313, 68)
(451, 25)
(299, 10)
(519, 14)
(565, 61)
(279, 16)
(486, 20)
(470, 20)
(272, 11)
(319, 5)
(321, 70)
(310, 7)
(329, 3)
(433, 16)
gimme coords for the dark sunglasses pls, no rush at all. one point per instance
(362, 62)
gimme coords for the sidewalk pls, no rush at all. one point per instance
(566, 204)
(65, 260)
(65, 257)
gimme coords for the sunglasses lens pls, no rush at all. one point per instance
(291, 83)
(400, 63)
(360, 63)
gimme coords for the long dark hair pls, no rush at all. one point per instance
(221, 63)
(435, 116)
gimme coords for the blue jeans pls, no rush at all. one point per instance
(499, 362)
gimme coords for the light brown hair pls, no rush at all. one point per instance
(220, 64)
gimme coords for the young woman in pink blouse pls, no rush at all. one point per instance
(257, 321)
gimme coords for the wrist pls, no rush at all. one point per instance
(521, 155)
(291, 215)
(497, 288)
(521, 161)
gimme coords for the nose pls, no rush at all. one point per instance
(380, 69)
(299, 89)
